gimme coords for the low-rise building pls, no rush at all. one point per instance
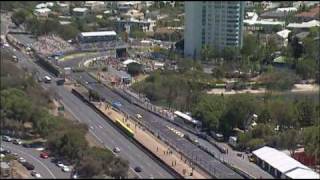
(80, 12)
(274, 14)
(132, 13)
(43, 12)
(263, 24)
(282, 37)
(63, 8)
(5, 169)
(44, 5)
(312, 14)
(124, 6)
(95, 6)
(144, 25)
(281, 165)
(304, 25)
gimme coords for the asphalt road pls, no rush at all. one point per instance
(103, 131)
(45, 167)
(159, 125)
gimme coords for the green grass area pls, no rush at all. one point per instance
(8, 158)
(77, 55)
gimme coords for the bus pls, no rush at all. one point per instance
(186, 120)
(125, 128)
(47, 79)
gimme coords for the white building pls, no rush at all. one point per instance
(63, 7)
(287, 9)
(214, 23)
(44, 5)
(283, 36)
(304, 25)
(95, 6)
(281, 165)
(43, 12)
(80, 12)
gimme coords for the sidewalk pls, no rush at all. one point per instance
(160, 149)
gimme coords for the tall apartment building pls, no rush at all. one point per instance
(214, 23)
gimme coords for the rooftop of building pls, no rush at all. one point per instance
(311, 13)
(99, 33)
(285, 164)
(309, 24)
(79, 9)
(43, 10)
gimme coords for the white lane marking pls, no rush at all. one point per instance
(77, 118)
(14, 149)
(96, 136)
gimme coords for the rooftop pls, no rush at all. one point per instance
(309, 24)
(274, 14)
(263, 22)
(284, 163)
(99, 33)
(284, 33)
(43, 10)
(311, 13)
(287, 9)
(185, 116)
(80, 9)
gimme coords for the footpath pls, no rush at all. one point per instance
(151, 142)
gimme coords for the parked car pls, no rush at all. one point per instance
(5, 151)
(60, 164)
(17, 141)
(35, 174)
(66, 169)
(28, 165)
(74, 175)
(44, 155)
(6, 138)
(22, 160)
(138, 169)
(26, 145)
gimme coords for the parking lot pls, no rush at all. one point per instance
(30, 158)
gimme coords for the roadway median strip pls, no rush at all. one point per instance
(158, 148)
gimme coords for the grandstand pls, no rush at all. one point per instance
(99, 36)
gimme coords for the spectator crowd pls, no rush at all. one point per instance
(51, 44)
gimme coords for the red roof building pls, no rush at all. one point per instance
(312, 14)
(302, 157)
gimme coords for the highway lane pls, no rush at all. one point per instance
(99, 127)
(159, 125)
(45, 167)
(230, 158)
(110, 137)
